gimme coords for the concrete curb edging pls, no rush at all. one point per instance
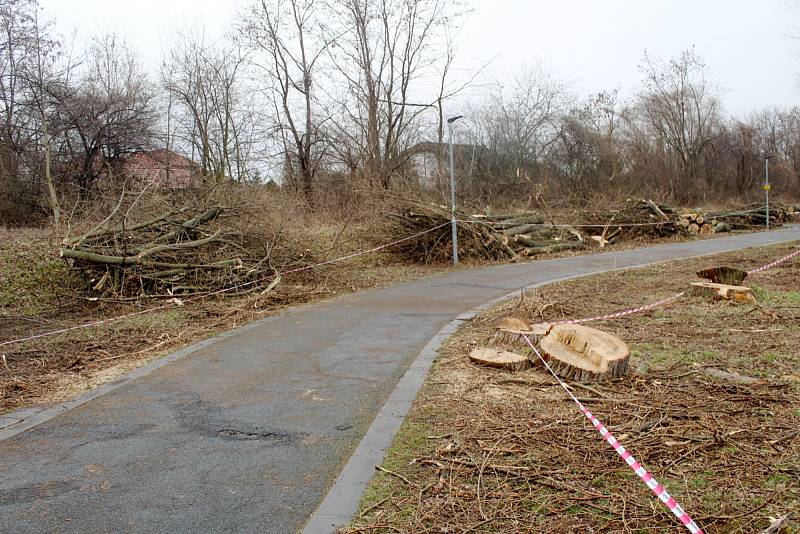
(341, 502)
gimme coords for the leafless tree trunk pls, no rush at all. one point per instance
(205, 82)
(680, 107)
(385, 48)
(285, 33)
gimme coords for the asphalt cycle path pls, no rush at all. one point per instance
(246, 432)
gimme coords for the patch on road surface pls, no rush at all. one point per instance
(276, 436)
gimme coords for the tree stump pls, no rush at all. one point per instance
(584, 354)
(721, 291)
(499, 359)
(723, 275)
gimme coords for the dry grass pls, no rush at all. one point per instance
(492, 451)
(39, 293)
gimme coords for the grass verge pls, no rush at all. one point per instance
(486, 450)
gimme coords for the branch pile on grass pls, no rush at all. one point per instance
(187, 250)
(637, 219)
(490, 236)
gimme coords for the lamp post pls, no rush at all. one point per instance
(450, 122)
(766, 184)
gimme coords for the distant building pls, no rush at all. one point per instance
(160, 168)
(429, 159)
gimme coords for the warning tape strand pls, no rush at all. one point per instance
(562, 225)
(626, 312)
(668, 300)
(775, 263)
(657, 489)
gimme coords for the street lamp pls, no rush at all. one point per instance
(766, 183)
(450, 122)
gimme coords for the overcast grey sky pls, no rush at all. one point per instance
(596, 44)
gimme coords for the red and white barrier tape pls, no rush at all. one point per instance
(664, 302)
(775, 263)
(623, 313)
(221, 291)
(659, 490)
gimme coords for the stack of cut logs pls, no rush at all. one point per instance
(699, 223)
(503, 236)
(492, 236)
(714, 222)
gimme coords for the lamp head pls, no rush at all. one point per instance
(451, 120)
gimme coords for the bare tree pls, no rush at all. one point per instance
(27, 55)
(681, 108)
(288, 35)
(588, 150)
(205, 87)
(105, 114)
(385, 48)
(521, 124)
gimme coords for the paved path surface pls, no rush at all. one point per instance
(246, 434)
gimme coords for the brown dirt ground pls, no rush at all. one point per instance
(487, 450)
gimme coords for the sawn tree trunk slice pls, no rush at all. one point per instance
(584, 354)
(501, 359)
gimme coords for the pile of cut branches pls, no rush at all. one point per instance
(637, 218)
(490, 236)
(186, 250)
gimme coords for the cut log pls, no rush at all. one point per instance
(527, 241)
(558, 247)
(721, 291)
(513, 325)
(508, 223)
(722, 227)
(730, 377)
(499, 359)
(706, 229)
(778, 524)
(694, 228)
(584, 354)
(520, 229)
(541, 329)
(723, 275)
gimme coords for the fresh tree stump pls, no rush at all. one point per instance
(721, 291)
(584, 354)
(513, 325)
(723, 275)
(499, 359)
